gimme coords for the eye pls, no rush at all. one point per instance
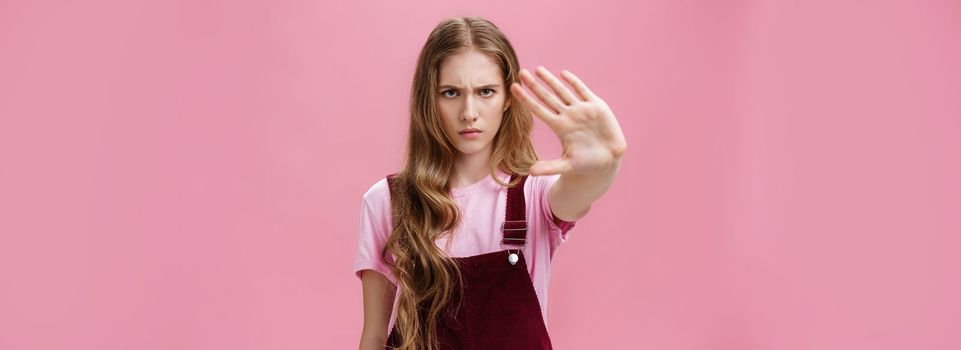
(449, 93)
(487, 92)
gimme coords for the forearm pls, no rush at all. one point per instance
(572, 194)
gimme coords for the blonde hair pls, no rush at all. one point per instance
(422, 207)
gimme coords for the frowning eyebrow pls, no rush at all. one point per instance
(455, 87)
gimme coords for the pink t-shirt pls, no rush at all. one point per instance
(482, 206)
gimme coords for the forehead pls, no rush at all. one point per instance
(470, 68)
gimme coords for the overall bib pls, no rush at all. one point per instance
(500, 309)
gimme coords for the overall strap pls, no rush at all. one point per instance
(391, 187)
(390, 181)
(514, 227)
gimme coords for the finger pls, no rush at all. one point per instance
(559, 88)
(545, 114)
(578, 85)
(550, 167)
(548, 97)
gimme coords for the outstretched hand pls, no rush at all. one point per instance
(590, 137)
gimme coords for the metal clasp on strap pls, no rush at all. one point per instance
(512, 237)
(504, 224)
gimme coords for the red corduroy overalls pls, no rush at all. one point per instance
(500, 309)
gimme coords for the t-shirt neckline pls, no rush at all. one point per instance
(465, 190)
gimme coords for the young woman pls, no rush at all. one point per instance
(455, 249)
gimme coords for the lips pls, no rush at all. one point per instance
(470, 134)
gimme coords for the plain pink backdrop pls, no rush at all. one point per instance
(188, 174)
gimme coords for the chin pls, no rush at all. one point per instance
(471, 149)
(467, 151)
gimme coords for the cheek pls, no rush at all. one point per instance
(448, 114)
(495, 110)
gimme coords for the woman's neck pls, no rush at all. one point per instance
(470, 168)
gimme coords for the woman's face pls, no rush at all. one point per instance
(471, 95)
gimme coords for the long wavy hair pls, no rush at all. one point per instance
(423, 209)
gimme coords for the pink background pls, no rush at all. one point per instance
(188, 174)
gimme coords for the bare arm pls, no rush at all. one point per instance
(571, 195)
(378, 304)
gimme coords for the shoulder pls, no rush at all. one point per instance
(537, 189)
(378, 189)
(536, 184)
(378, 194)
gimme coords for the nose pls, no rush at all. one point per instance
(469, 113)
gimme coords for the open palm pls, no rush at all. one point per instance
(590, 137)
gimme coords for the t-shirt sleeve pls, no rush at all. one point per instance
(374, 231)
(560, 230)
